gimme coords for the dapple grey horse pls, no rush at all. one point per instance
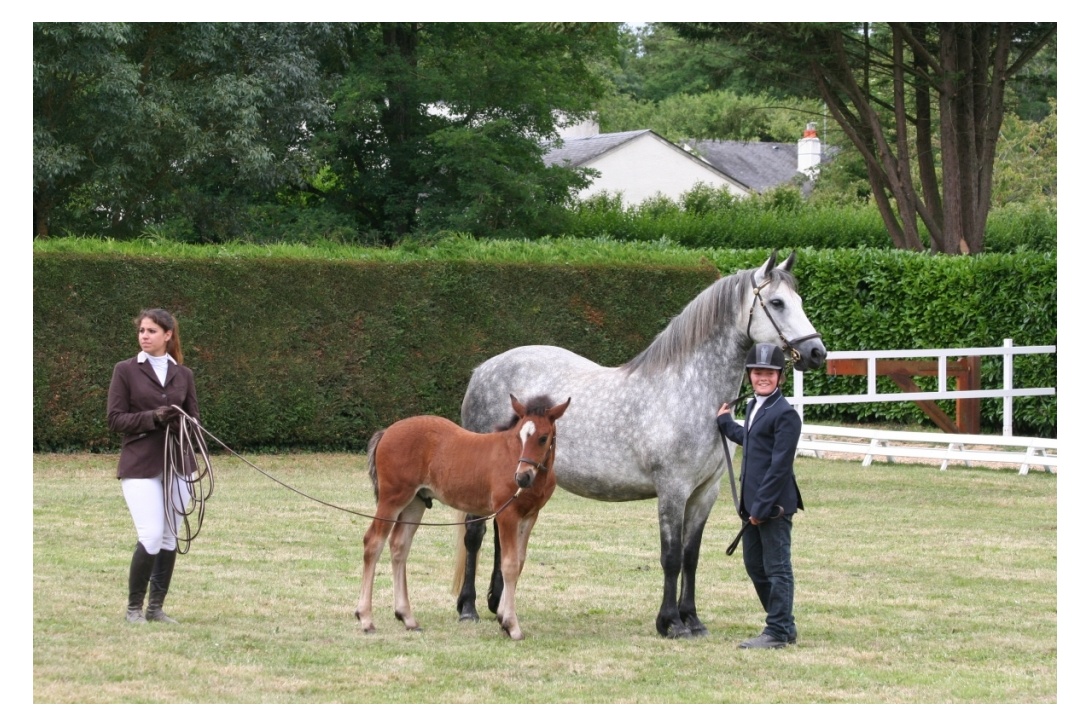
(669, 393)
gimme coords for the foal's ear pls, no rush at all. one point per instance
(558, 411)
(518, 406)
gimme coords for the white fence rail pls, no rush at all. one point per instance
(1024, 452)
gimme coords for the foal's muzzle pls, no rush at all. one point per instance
(524, 479)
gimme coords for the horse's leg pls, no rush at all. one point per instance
(671, 515)
(495, 584)
(373, 541)
(696, 517)
(508, 529)
(467, 598)
(401, 540)
(525, 527)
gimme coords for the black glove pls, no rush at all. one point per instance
(165, 415)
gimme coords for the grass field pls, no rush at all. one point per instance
(913, 586)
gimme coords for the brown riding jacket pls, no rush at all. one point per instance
(135, 394)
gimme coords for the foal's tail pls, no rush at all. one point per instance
(459, 553)
(372, 471)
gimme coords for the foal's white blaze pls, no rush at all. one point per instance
(527, 431)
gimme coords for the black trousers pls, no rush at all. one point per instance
(766, 550)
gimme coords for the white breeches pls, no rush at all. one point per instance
(145, 500)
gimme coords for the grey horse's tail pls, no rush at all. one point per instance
(371, 469)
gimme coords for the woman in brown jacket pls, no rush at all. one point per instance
(143, 392)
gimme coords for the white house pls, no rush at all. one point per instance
(642, 164)
(639, 165)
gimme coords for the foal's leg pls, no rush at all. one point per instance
(511, 534)
(401, 540)
(373, 542)
(525, 526)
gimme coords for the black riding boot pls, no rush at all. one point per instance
(139, 573)
(159, 584)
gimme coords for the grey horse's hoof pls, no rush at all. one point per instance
(677, 631)
(697, 628)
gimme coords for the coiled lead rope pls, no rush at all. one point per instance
(186, 445)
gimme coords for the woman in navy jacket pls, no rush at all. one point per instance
(770, 494)
(143, 391)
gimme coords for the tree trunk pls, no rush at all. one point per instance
(399, 114)
(41, 218)
(958, 69)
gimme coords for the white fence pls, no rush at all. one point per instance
(1024, 452)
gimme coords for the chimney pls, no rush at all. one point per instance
(809, 151)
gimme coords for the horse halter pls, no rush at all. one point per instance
(788, 346)
(538, 466)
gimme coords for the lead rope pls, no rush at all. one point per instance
(191, 425)
(733, 488)
(188, 445)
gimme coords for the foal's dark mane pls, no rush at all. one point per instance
(535, 406)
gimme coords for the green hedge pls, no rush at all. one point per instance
(320, 354)
(882, 300)
(781, 219)
(317, 354)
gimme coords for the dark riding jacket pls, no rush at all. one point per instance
(768, 456)
(135, 394)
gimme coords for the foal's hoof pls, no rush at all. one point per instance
(515, 635)
(367, 628)
(409, 621)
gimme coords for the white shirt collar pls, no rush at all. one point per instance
(144, 356)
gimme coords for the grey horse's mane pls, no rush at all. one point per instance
(700, 318)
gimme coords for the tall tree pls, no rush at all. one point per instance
(922, 102)
(137, 121)
(441, 124)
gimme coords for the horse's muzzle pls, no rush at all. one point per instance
(811, 354)
(525, 478)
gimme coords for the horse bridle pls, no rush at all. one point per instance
(538, 466)
(789, 347)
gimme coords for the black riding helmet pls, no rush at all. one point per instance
(765, 356)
